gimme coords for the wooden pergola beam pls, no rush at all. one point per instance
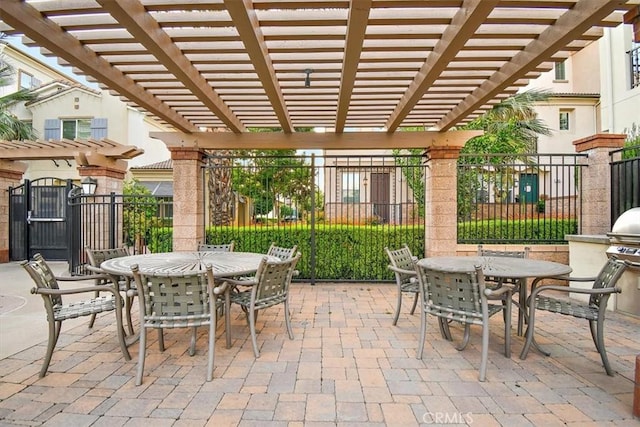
(247, 25)
(310, 140)
(356, 29)
(568, 27)
(50, 36)
(134, 17)
(463, 26)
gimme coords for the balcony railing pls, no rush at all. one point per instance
(634, 63)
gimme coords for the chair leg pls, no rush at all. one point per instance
(485, 349)
(398, 306)
(141, 353)
(212, 343)
(600, 345)
(92, 320)
(507, 329)
(465, 339)
(54, 333)
(252, 328)
(423, 332)
(444, 329)
(120, 330)
(128, 303)
(415, 303)
(192, 345)
(161, 339)
(287, 320)
(227, 316)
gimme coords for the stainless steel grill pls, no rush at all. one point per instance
(625, 236)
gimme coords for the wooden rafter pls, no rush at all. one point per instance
(134, 17)
(66, 149)
(49, 35)
(575, 21)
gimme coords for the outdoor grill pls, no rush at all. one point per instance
(625, 236)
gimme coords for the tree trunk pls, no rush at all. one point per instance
(219, 186)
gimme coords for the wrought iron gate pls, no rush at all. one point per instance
(38, 219)
(340, 210)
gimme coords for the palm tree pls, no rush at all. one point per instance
(12, 128)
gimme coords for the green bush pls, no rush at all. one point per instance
(523, 231)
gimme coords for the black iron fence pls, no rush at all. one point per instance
(634, 65)
(625, 180)
(504, 198)
(340, 210)
(138, 222)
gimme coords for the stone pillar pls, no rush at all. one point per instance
(636, 390)
(188, 198)
(441, 206)
(596, 181)
(10, 176)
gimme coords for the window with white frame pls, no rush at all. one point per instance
(27, 81)
(563, 119)
(350, 187)
(560, 70)
(76, 128)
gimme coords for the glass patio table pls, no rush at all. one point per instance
(519, 269)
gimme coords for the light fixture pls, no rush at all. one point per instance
(307, 80)
(89, 185)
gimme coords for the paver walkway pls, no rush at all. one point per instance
(346, 366)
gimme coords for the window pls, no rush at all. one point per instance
(76, 128)
(634, 62)
(27, 81)
(561, 73)
(350, 187)
(563, 119)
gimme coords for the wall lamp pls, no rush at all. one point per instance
(307, 79)
(89, 185)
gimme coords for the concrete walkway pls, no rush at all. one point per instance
(346, 366)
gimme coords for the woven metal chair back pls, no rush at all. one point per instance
(273, 281)
(174, 301)
(98, 256)
(453, 295)
(43, 277)
(402, 258)
(606, 278)
(227, 247)
(282, 252)
(510, 254)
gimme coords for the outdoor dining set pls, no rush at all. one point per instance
(194, 289)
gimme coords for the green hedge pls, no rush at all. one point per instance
(522, 231)
(352, 252)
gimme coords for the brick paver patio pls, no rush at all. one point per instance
(346, 366)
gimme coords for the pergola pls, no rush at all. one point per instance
(383, 65)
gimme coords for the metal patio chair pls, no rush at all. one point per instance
(282, 252)
(403, 266)
(176, 301)
(97, 257)
(461, 296)
(269, 287)
(495, 282)
(604, 284)
(57, 311)
(225, 247)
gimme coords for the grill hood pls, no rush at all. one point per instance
(627, 227)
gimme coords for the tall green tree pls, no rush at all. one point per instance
(12, 128)
(511, 128)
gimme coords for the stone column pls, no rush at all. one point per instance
(10, 176)
(188, 198)
(441, 206)
(596, 181)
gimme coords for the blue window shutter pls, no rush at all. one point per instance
(98, 128)
(51, 129)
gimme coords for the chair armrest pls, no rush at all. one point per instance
(235, 282)
(102, 276)
(570, 289)
(94, 269)
(402, 270)
(47, 291)
(219, 290)
(505, 288)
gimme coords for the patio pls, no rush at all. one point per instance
(346, 366)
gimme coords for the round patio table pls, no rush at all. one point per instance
(502, 267)
(225, 264)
